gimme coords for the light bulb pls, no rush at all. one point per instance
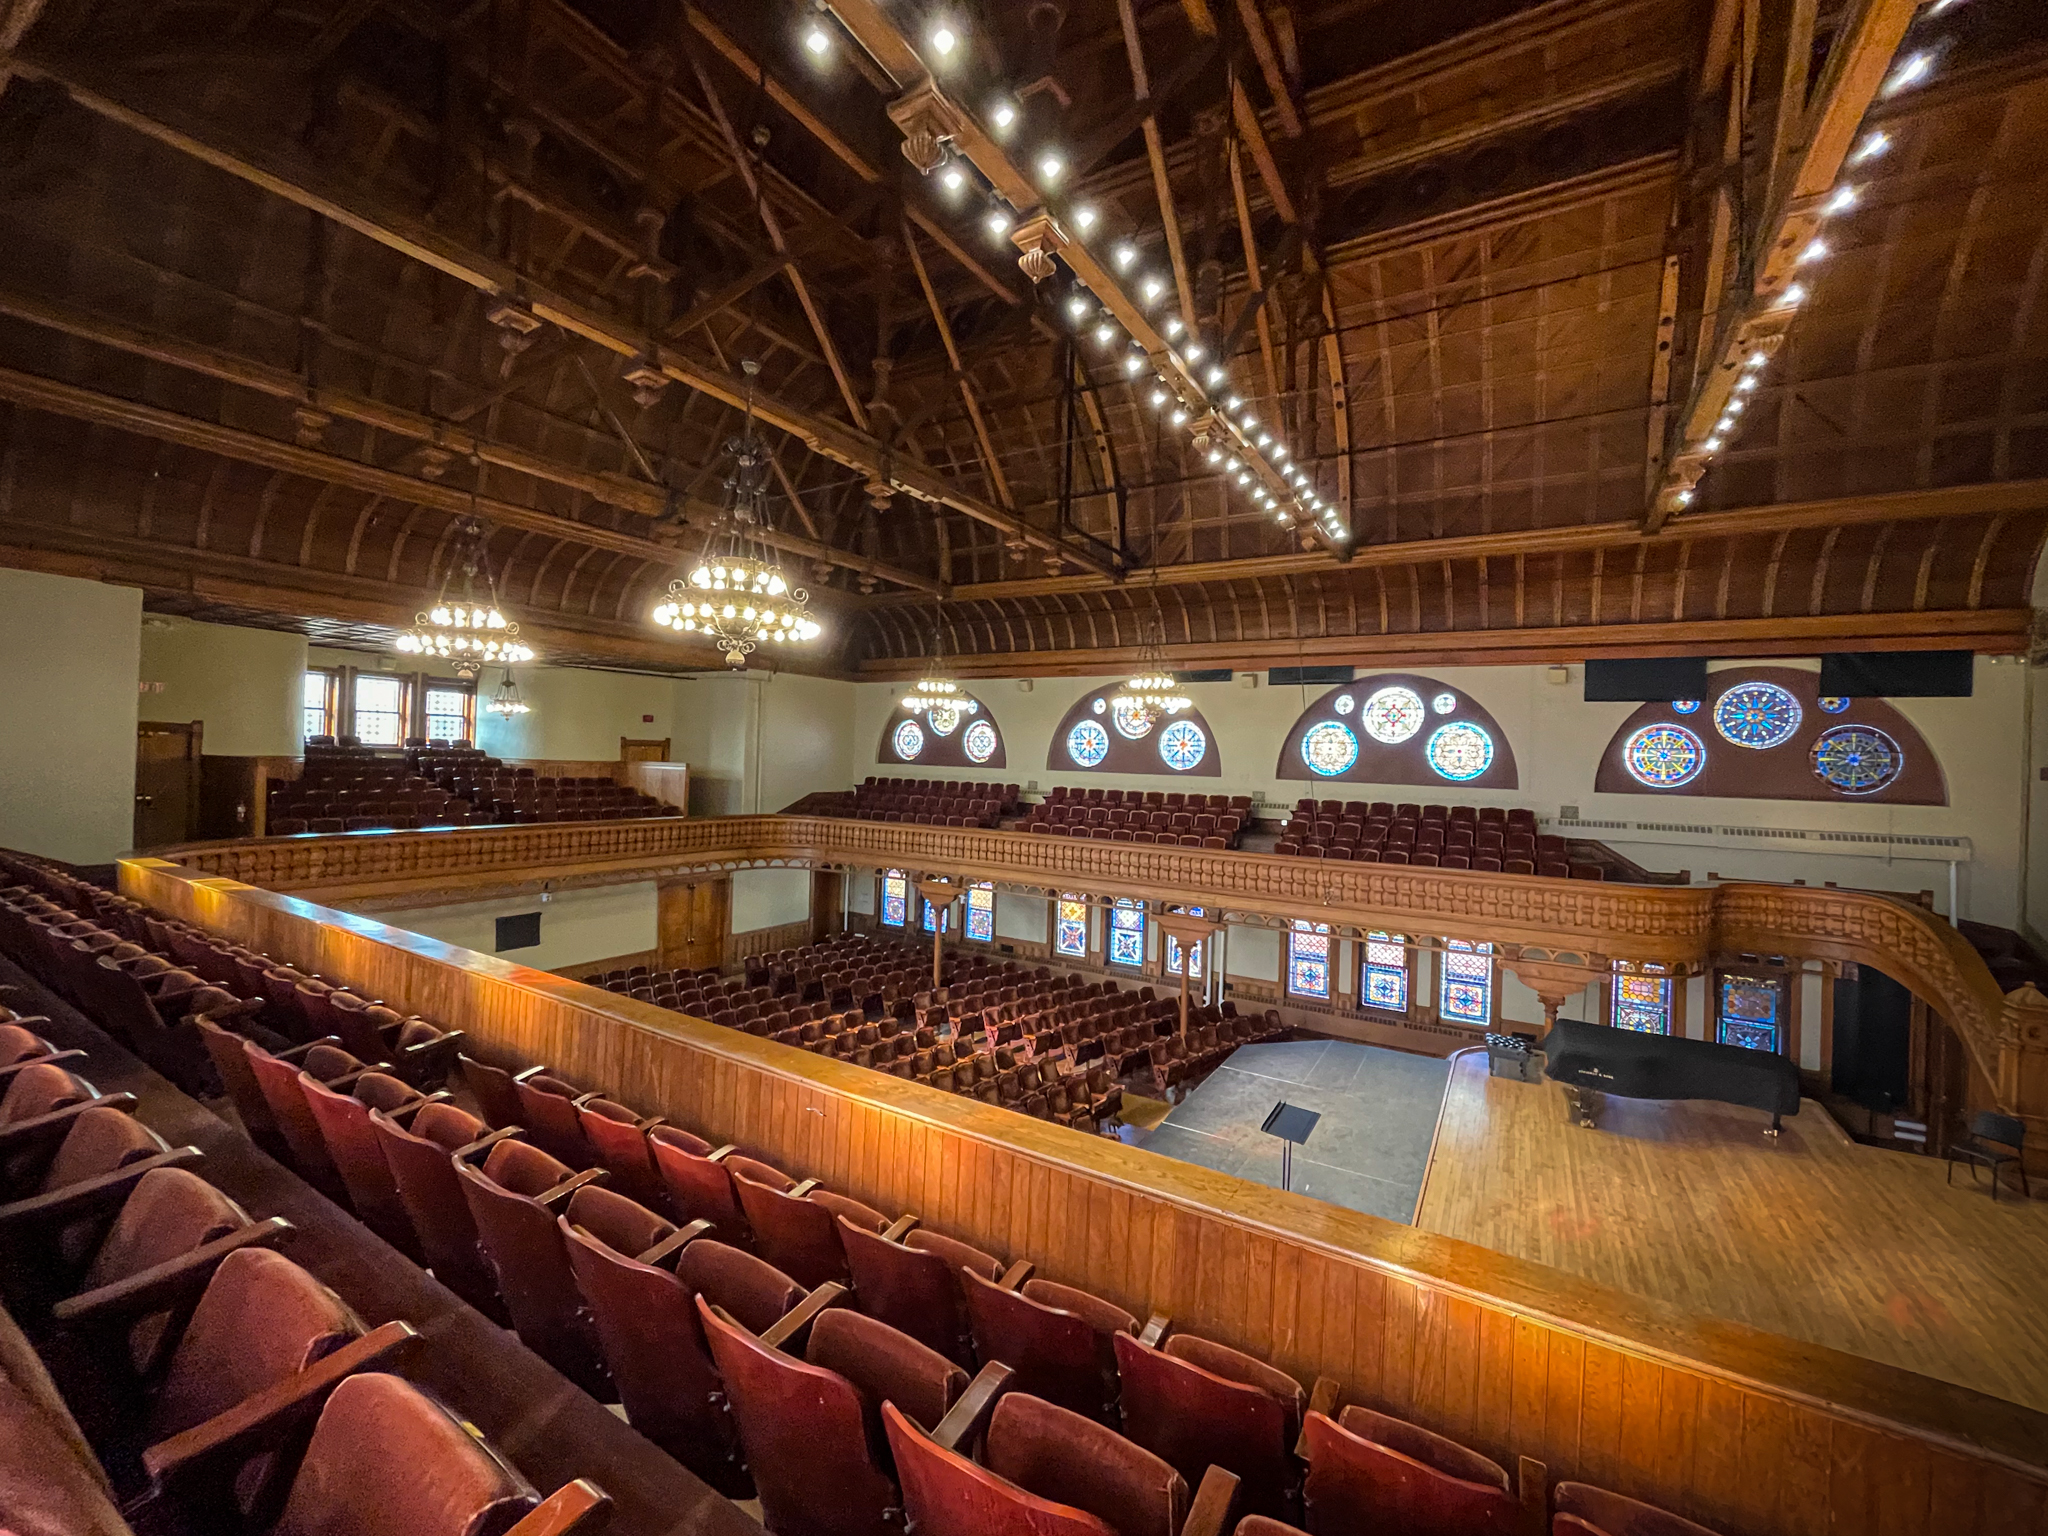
(1814, 251)
(944, 40)
(1873, 145)
(1077, 307)
(1195, 353)
(1125, 255)
(1180, 418)
(998, 222)
(818, 40)
(1135, 364)
(1105, 333)
(954, 178)
(1173, 326)
(1158, 398)
(1050, 167)
(1153, 288)
(1683, 498)
(1004, 114)
(1914, 69)
(1711, 445)
(1793, 296)
(1843, 200)
(1217, 375)
(1233, 402)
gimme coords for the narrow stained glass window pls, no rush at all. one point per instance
(1308, 959)
(895, 897)
(981, 912)
(932, 919)
(1127, 932)
(1173, 947)
(1070, 933)
(1642, 1000)
(1386, 972)
(1465, 983)
(1749, 1011)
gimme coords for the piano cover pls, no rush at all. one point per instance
(1640, 1066)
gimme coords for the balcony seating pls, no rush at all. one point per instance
(794, 1224)
(914, 1285)
(1490, 838)
(1198, 1404)
(343, 1120)
(699, 1186)
(1368, 1468)
(419, 1157)
(438, 785)
(1056, 1339)
(921, 802)
(1141, 816)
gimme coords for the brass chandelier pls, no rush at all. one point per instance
(736, 594)
(936, 695)
(506, 702)
(1155, 691)
(467, 632)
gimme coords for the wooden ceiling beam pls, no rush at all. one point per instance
(286, 175)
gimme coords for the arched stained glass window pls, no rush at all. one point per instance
(895, 897)
(1070, 927)
(1173, 948)
(1308, 959)
(1464, 993)
(981, 912)
(1749, 1011)
(1127, 932)
(1384, 984)
(1642, 1000)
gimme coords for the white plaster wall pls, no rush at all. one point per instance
(245, 685)
(577, 715)
(575, 926)
(1026, 919)
(68, 670)
(768, 898)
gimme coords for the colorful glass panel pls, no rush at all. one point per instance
(1127, 933)
(1642, 1002)
(1392, 715)
(1183, 745)
(1663, 756)
(1346, 704)
(1329, 748)
(1444, 703)
(1748, 1015)
(1070, 928)
(933, 918)
(1857, 759)
(1685, 706)
(980, 742)
(1194, 950)
(1386, 972)
(1460, 751)
(895, 898)
(1465, 983)
(909, 740)
(944, 719)
(1758, 715)
(1308, 959)
(1128, 716)
(1087, 744)
(981, 913)
(1833, 705)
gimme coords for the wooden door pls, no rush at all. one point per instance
(691, 922)
(166, 782)
(631, 751)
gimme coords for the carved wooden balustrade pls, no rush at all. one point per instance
(1567, 924)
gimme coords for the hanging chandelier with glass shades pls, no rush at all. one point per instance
(1154, 691)
(506, 702)
(935, 695)
(736, 594)
(468, 632)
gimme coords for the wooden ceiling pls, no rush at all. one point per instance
(290, 288)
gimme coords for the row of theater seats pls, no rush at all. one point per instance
(816, 1354)
(1492, 838)
(203, 1381)
(364, 789)
(922, 802)
(1135, 816)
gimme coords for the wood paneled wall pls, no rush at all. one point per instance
(1748, 1433)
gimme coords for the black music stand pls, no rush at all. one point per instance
(1292, 1124)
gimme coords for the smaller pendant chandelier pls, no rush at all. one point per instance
(506, 702)
(469, 632)
(736, 593)
(935, 694)
(1154, 691)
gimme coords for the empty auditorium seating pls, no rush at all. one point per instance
(921, 802)
(1489, 838)
(1141, 816)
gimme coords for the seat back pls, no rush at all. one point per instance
(1048, 1451)
(796, 1235)
(1058, 1355)
(945, 1494)
(1579, 1508)
(224, 1048)
(1354, 1482)
(169, 1213)
(698, 1189)
(43, 1089)
(99, 1142)
(615, 1139)
(496, 1094)
(435, 1206)
(548, 1111)
(1194, 1417)
(388, 1460)
(357, 1154)
(753, 1292)
(523, 1244)
(885, 1366)
(805, 1434)
(915, 1289)
(19, 1045)
(289, 1111)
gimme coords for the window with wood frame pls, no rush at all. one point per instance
(320, 697)
(451, 710)
(382, 706)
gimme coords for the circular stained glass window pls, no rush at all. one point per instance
(1663, 756)
(1857, 759)
(1099, 706)
(1087, 744)
(909, 740)
(980, 742)
(1833, 705)
(944, 719)
(1392, 715)
(1685, 706)
(1444, 703)
(1345, 703)
(1129, 719)
(1460, 750)
(1329, 748)
(1183, 745)
(1757, 715)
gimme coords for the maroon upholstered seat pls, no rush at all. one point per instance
(548, 1111)
(1055, 1338)
(40, 1090)
(1198, 1404)
(1579, 1509)
(496, 1091)
(1384, 1473)
(18, 1045)
(435, 1206)
(699, 1187)
(357, 1154)
(754, 1292)
(100, 1141)
(915, 1287)
(796, 1233)
(293, 1117)
(617, 1138)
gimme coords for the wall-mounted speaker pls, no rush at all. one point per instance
(1897, 675)
(1646, 680)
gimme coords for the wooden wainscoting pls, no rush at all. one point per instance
(647, 957)
(1746, 1432)
(741, 947)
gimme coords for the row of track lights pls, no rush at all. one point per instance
(1915, 69)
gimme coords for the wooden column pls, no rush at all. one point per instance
(2022, 1087)
(1188, 931)
(690, 922)
(1554, 982)
(941, 894)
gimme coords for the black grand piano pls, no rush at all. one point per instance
(1590, 1058)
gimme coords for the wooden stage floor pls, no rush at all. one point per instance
(1812, 1236)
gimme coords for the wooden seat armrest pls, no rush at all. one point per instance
(406, 1112)
(798, 1191)
(582, 1099)
(297, 1052)
(41, 1128)
(720, 1154)
(559, 1195)
(788, 1330)
(1015, 1276)
(1209, 1514)
(260, 1422)
(347, 1081)
(163, 1285)
(574, 1507)
(1328, 1393)
(520, 1077)
(1157, 1326)
(89, 1195)
(663, 1254)
(477, 1150)
(1532, 1484)
(898, 1228)
(968, 1417)
(51, 1060)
